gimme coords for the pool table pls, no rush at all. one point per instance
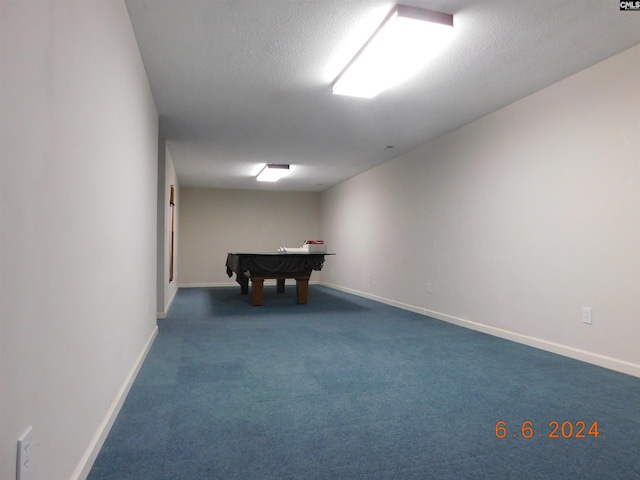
(274, 265)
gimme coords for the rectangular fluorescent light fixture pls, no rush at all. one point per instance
(405, 40)
(272, 172)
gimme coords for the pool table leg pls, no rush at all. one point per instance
(280, 285)
(257, 285)
(244, 285)
(302, 287)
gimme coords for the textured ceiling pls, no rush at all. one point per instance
(239, 83)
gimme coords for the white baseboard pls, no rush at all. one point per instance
(615, 364)
(168, 307)
(386, 301)
(86, 462)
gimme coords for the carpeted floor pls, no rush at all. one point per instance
(345, 388)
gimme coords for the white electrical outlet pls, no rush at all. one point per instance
(587, 316)
(24, 464)
(429, 287)
(370, 275)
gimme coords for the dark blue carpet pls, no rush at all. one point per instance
(347, 388)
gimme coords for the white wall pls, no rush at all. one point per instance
(517, 221)
(167, 177)
(78, 144)
(216, 221)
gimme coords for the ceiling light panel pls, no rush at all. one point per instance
(272, 172)
(406, 39)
